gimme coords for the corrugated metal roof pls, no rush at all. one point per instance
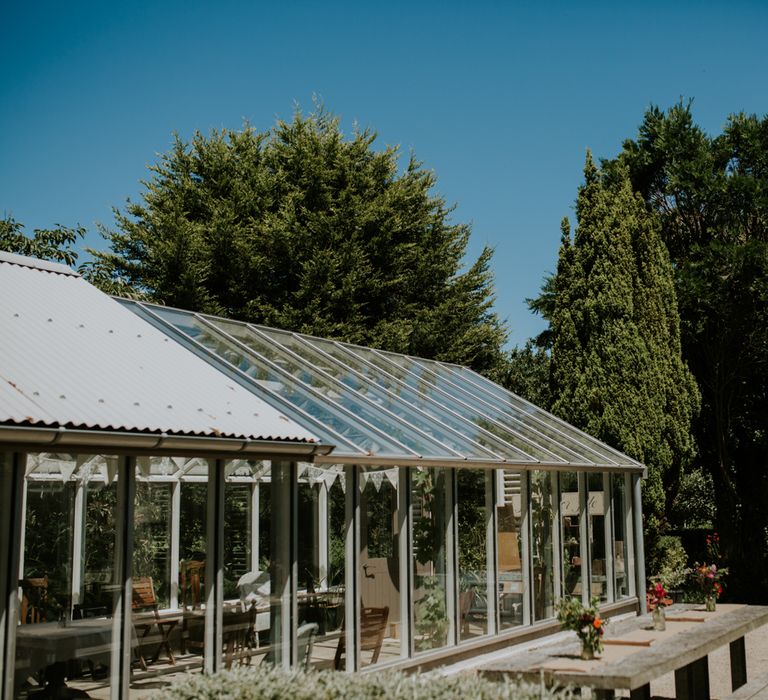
(70, 356)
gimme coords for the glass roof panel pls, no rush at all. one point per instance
(434, 403)
(429, 384)
(526, 408)
(273, 381)
(520, 411)
(446, 428)
(375, 415)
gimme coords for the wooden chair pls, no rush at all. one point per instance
(146, 616)
(191, 585)
(34, 600)
(373, 625)
(238, 635)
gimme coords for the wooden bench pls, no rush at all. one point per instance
(756, 689)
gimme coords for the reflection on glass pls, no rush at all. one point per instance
(379, 567)
(542, 488)
(570, 537)
(473, 486)
(67, 579)
(509, 543)
(152, 537)
(431, 502)
(619, 537)
(596, 508)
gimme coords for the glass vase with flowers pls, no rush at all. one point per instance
(658, 599)
(585, 621)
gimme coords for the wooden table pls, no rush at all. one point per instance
(635, 655)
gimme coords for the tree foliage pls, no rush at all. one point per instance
(711, 196)
(49, 244)
(616, 369)
(301, 228)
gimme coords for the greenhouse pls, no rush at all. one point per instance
(185, 492)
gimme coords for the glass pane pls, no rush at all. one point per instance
(596, 509)
(523, 409)
(430, 401)
(473, 489)
(274, 381)
(542, 487)
(152, 537)
(570, 534)
(68, 577)
(380, 639)
(339, 394)
(325, 607)
(620, 550)
(430, 503)
(509, 544)
(374, 392)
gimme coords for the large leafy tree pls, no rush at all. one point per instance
(49, 244)
(711, 196)
(301, 228)
(616, 364)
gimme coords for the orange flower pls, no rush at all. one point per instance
(598, 623)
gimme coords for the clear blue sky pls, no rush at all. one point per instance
(499, 99)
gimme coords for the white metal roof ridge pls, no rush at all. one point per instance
(72, 357)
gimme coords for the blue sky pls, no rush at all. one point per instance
(501, 100)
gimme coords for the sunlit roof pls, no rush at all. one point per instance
(380, 405)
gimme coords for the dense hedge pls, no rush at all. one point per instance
(278, 684)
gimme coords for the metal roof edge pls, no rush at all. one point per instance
(37, 264)
(156, 443)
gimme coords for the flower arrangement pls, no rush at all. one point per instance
(586, 622)
(657, 596)
(709, 577)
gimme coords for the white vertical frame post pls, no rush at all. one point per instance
(214, 567)
(290, 650)
(525, 537)
(12, 468)
(322, 533)
(78, 543)
(638, 557)
(584, 548)
(557, 534)
(175, 538)
(608, 535)
(122, 624)
(255, 526)
(282, 534)
(23, 530)
(451, 556)
(491, 550)
(351, 575)
(404, 552)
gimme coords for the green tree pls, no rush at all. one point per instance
(711, 195)
(49, 244)
(301, 228)
(526, 373)
(617, 371)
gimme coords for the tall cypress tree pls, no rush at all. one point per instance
(616, 366)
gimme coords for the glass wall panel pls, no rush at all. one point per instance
(620, 549)
(597, 505)
(323, 605)
(473, 488)
(509, 544)
(543, 514)
(570, 534)
(380, 615)
(430, 497)
(68, 577)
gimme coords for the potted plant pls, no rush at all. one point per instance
(586, 622)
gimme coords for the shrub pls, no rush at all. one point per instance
(279, 684)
